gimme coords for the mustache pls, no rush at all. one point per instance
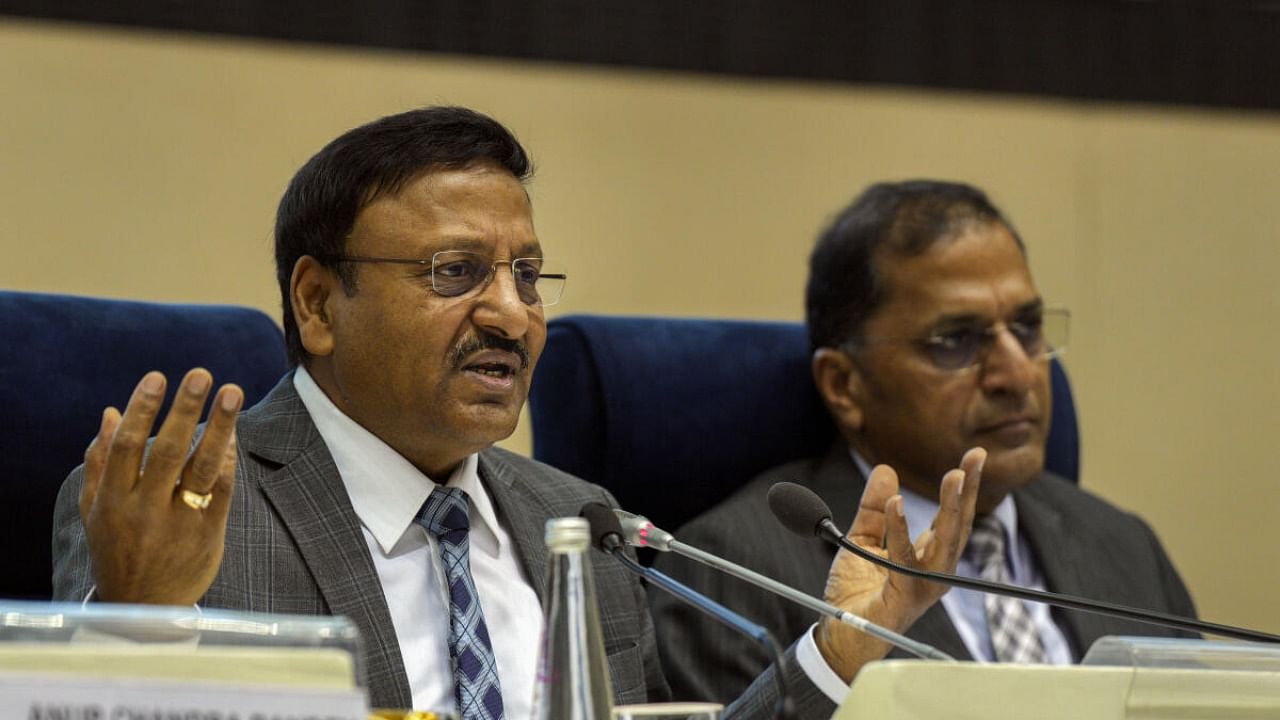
(475, 343)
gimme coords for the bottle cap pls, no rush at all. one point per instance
(566, 534)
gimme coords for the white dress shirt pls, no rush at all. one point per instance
(964, 607)
(387, 492)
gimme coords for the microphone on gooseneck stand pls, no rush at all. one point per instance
(802, 512)
(639, 532)
(606, 534)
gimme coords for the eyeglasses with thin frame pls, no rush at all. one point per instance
(455, 273)
(1041, 333)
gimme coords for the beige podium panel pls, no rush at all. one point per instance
(101, 641)
(280, 666)
(918, 690)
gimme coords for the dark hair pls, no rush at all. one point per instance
(320, 206)
(905, 219)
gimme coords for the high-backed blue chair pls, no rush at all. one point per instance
(65, 358)
(672, 415)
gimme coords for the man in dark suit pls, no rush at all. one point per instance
(928, 338)
(413, 288)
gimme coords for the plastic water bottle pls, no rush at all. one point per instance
(573, 676)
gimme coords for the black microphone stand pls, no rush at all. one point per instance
(609, 540)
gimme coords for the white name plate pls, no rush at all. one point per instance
(68, 697)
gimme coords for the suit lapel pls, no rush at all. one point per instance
(521, 511)
(311, 501)
(1061, 561)
(524, 496)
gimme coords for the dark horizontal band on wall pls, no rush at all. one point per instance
(1216, 53)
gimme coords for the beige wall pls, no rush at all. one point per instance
(148, 166)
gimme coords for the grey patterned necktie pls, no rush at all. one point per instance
(1013, 634)
(475, 670)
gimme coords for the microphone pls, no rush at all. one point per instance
(606, 534)
(802, 512)
(640, 532)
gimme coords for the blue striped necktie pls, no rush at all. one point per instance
(475, 670)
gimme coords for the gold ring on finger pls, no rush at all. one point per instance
(195, 500)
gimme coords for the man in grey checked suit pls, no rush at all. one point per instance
(929, 337)
(413, 288)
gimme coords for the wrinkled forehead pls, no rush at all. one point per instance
(980, 271)
(480, 208)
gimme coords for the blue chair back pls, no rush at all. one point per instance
(672, 415)
(65, 358)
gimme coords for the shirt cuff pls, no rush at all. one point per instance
(815, 667)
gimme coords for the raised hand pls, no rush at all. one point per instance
(893, 599)
(155, 527)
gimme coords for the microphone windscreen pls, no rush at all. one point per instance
(603, 525)
(798, 508)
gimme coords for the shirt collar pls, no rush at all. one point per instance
(921, 510)
(386, 490)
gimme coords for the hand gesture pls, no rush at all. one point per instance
(892, 599)
(155, 529)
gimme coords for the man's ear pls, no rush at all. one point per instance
(840, 383)
(311, 287)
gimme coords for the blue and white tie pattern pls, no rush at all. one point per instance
(1014, 635)
(475, 670)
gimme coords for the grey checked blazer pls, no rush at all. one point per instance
(294, 545)
(1085, 547)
